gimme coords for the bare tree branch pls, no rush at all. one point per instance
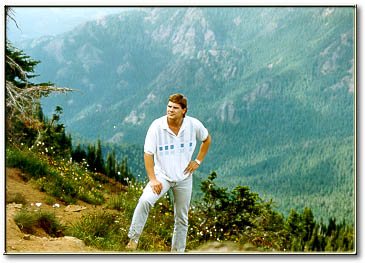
(9, 14)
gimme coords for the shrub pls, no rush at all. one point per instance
(239, 216)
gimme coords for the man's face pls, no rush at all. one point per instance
(175, 111)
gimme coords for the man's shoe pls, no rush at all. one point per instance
(132, 245)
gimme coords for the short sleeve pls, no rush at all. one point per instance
(201, 131)
(150, 144)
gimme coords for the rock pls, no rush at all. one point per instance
(74, 239)
(74, 208)
(26, 237)
(219, 247)
(14, 205)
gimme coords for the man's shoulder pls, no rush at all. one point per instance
(193, 121)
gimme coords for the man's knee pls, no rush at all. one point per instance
(146, 201)
(181, 219)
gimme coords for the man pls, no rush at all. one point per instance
(168, 149)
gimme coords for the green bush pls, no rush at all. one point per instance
(231, 216)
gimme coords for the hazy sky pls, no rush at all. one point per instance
(35, 22)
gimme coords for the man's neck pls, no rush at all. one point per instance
(175, 123)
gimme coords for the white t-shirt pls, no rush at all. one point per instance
(172, 153)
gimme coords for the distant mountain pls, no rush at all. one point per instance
(274, 86)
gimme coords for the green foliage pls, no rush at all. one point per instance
(95, 162)
(238, 216)
(26, 64)
(27, 162)
(243, 217)
(63, 179)
(98, 230)
(29, 221)
(25, 221)
(53, 139)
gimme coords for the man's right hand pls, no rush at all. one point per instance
(156, 186)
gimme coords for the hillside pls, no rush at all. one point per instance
(274, 86)
(39, 242)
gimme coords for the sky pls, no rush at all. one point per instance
(34, 22)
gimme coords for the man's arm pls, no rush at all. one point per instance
(154, 183)
(204, 147)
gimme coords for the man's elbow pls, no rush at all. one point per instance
(148, 155)
(208, 140)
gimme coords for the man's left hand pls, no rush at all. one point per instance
(192, 166)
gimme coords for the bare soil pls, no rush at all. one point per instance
(40, 242)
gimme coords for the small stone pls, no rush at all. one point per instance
(74, 208)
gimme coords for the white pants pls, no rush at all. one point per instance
(182, 195)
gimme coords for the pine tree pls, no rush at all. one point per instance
(111, 165)
(314, 244)
(308, 224)
(99, 161)
(331, 229)
(91, 155)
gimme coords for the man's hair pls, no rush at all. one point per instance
(179, 99)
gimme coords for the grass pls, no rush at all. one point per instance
(29, 221)
(18, 198)
(65, 180)
(103, 230)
